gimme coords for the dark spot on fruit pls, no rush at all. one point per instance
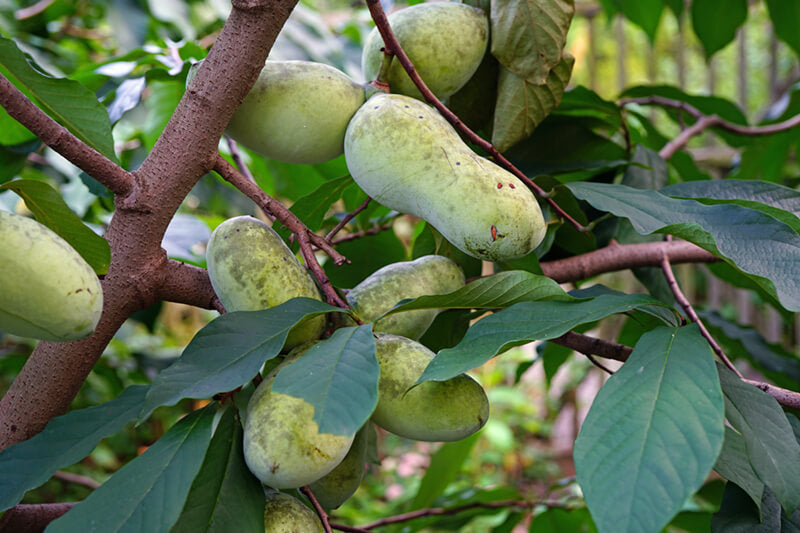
(406, 107)
(420, 116)
(458, 163)
(274, 468)
(512, 185)
(237, 231)
(79, 290)
(13, 428)
(376, 107)
(499, 186)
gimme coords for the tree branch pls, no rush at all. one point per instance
(706, 121)
(57, 137)
(392, 46)
(186, 284)
(32, 518)
(623, 256)
(78, 479)
(323, 516)
(347, 218)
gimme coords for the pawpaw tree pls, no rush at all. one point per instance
(116, 133)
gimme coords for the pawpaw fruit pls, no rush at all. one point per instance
(336, 487)
(297, 112)
(432, 411)
(445, 42)
(285, 514)
(251, 268)
(381, 290)
(47, 290)
(406, 156)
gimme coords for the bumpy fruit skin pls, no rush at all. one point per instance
(431, 274)
(405, 155)
(282, 444)
(444, 41)
(297, 112)
(336, 487)
(285, 514)
(251, 268)
(47, 290)
(433, 411)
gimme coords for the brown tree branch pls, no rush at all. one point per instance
(623, 256)
(706, 121)
(666, 268)
(186, 150)
(392, 46)
(32, 518)
(78, 479)
(186, 284)
(363, 233)
(118, 180)
(346, 219)
(323, 516)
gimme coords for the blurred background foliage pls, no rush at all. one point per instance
(135, 54)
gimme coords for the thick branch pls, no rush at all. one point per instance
(187, 284)
(392, 46)
(624, 256)
(57, 137)
(706, 121)
(32, 518)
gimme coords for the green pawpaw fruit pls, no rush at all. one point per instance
(432, 411)
(406, 156)
(47, 290)
(333, 489)
(297, 112)
(444, 41)
(251, 268)
(431, 274)
(282, 444)
(285, 514)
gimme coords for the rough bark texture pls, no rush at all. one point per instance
(140, 274)
(32, 518)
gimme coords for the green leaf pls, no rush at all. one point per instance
(653, 432)
(339, 377)
(715, 22)
(14, 157)
(784, 15)
(768, 436)
(229, 351)
(555, 520)
(525, 322)
(311, 208)
(372, 252)
(68, 102)
(644, 13)
(148, 493)
(647, 171)
(756, 243)
(779, 202)
(734, 465)
(738, 514)
(582, 102)
(224, 495)
(522, 104)
(445, 465)
(64, 441)
(528, 35)
(50, 209)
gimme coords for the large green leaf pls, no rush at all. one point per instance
(311, 208)
(777, 201)
(557, 520)
(445, 465)
(738, 514)
(644, 13)
(229, 351)
(647, 170)
(784, 15)
(653, 432)
(756, 243)
(368, 254)
(528, 35)
(66, 101)
(148, 493)
(522, 105)
(768, 436)
(339, 377)
(65, 440)
(734, 465)
(50, 209)
(715, 22)
(13, 157)
(492, 292)
(525, 322)
(224, 495)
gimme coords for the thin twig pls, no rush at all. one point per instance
(323, 516)
(666, 268)
(346, 219)
(348, 529)
(118, 180)
(392, 46)
(77, 479)
(682, 140)
(597, 363)
(359, 234)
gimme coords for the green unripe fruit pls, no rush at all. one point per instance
(297, 112)
(432, 274)
(444, 41)
(47, 290)
(336, 487)
(282, 444)
(251, 268)
(434, 410)
(406, 156)
(285, 514)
